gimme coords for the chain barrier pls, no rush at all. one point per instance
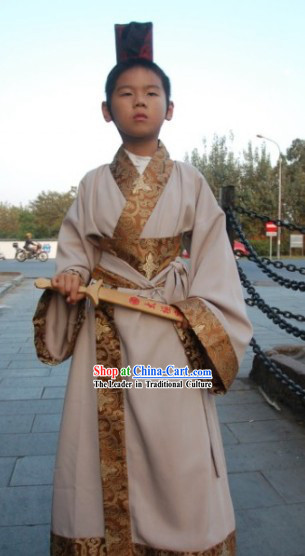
(290, 284)
(287, 314)
(277, 264)
(265, 218)
(280, 265)
(256, 300)
(270, 365)
(274, 369)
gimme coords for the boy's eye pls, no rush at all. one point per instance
(152, 94)
(126, 94)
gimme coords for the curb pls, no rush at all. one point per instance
(274, 387)
(5, 286)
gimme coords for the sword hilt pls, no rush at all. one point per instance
(89, 291)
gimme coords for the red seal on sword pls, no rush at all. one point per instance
(134, 300)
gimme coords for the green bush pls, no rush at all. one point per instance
(261, 246)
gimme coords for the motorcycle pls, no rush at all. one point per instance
(22, 254)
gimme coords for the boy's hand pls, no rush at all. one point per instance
(68, 285)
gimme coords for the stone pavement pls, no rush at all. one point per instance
(265, 448)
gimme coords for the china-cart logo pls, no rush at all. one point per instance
(151, 377)
(110, 372)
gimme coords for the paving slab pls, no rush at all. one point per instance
(33, 470)
(17, 393)
(27, 349)
(25, 505)
(31, 540)
(21, 338)
(248, 412)
(9, 349)
(22, 407)
(240, 384)
(290, 484)
(15, 423)
(252, 490)
(28, 444)
(258, 432)
(10, 327)
(28, 364)
(6, 470)
(13, 373)
(259, 456)
(273, 531)
(227, 436)
(54, 392)
(22, 356)
(4, 363)
(62, 370)
(31, 382)
(47, 423)
(5, 358)
(240, 397)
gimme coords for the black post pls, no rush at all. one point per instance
(227, 197)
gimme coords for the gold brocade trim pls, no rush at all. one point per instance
(139, 184)
(63, 546)
(111, 426)
(112, 279)
(107, 342)
(147, 256)
(66, 546)
(216, 351)
(142, 201)
(142, 194)
(39, 322)
(197, 356)
(111, 430)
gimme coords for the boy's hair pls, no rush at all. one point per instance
(132, 63)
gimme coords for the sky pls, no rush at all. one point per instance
(234, 65)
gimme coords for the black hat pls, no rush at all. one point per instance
(133, 40)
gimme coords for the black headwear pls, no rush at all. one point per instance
(133, 40)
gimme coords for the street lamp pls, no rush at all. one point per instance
(279, 212)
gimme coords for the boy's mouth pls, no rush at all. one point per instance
(140, 116)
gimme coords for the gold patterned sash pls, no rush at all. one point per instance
(147, 256)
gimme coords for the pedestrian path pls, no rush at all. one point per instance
(265, 449)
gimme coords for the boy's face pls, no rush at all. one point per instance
(138, 105)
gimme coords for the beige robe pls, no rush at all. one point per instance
(142, 471)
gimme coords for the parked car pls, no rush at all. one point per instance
(239, 249)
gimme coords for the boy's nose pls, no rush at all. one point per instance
(140, 101)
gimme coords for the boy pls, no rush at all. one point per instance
(141, 471)
(138, 103)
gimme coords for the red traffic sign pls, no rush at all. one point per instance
(271, 227)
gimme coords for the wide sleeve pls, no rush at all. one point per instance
(56, 323)
(219, 327)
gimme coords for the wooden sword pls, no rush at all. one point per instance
(96, 292)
